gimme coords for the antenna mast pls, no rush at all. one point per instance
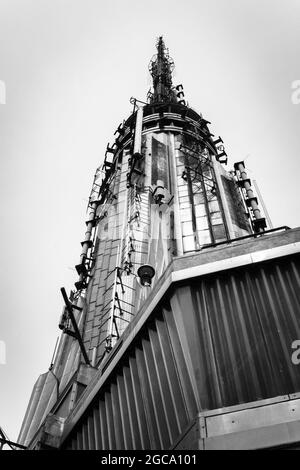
(161, 67)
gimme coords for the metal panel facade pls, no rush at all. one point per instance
(215, 341)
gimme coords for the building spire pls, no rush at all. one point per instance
(161, 67)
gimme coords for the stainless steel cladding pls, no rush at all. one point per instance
(213, 341)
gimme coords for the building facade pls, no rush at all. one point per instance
(179, 333)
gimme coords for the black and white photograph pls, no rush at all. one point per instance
(150, 228)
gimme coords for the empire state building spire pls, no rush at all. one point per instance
(185, 307)
(161, 67)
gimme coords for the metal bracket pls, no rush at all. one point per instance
(76, 334)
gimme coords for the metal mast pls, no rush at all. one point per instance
(161, 67)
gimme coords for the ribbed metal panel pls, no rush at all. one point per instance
(217, 341)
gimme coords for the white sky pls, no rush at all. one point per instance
(70, 68)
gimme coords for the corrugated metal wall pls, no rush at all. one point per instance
(221, 340)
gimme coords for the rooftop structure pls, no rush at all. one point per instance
(179, 332)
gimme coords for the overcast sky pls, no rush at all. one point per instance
(70, 68)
